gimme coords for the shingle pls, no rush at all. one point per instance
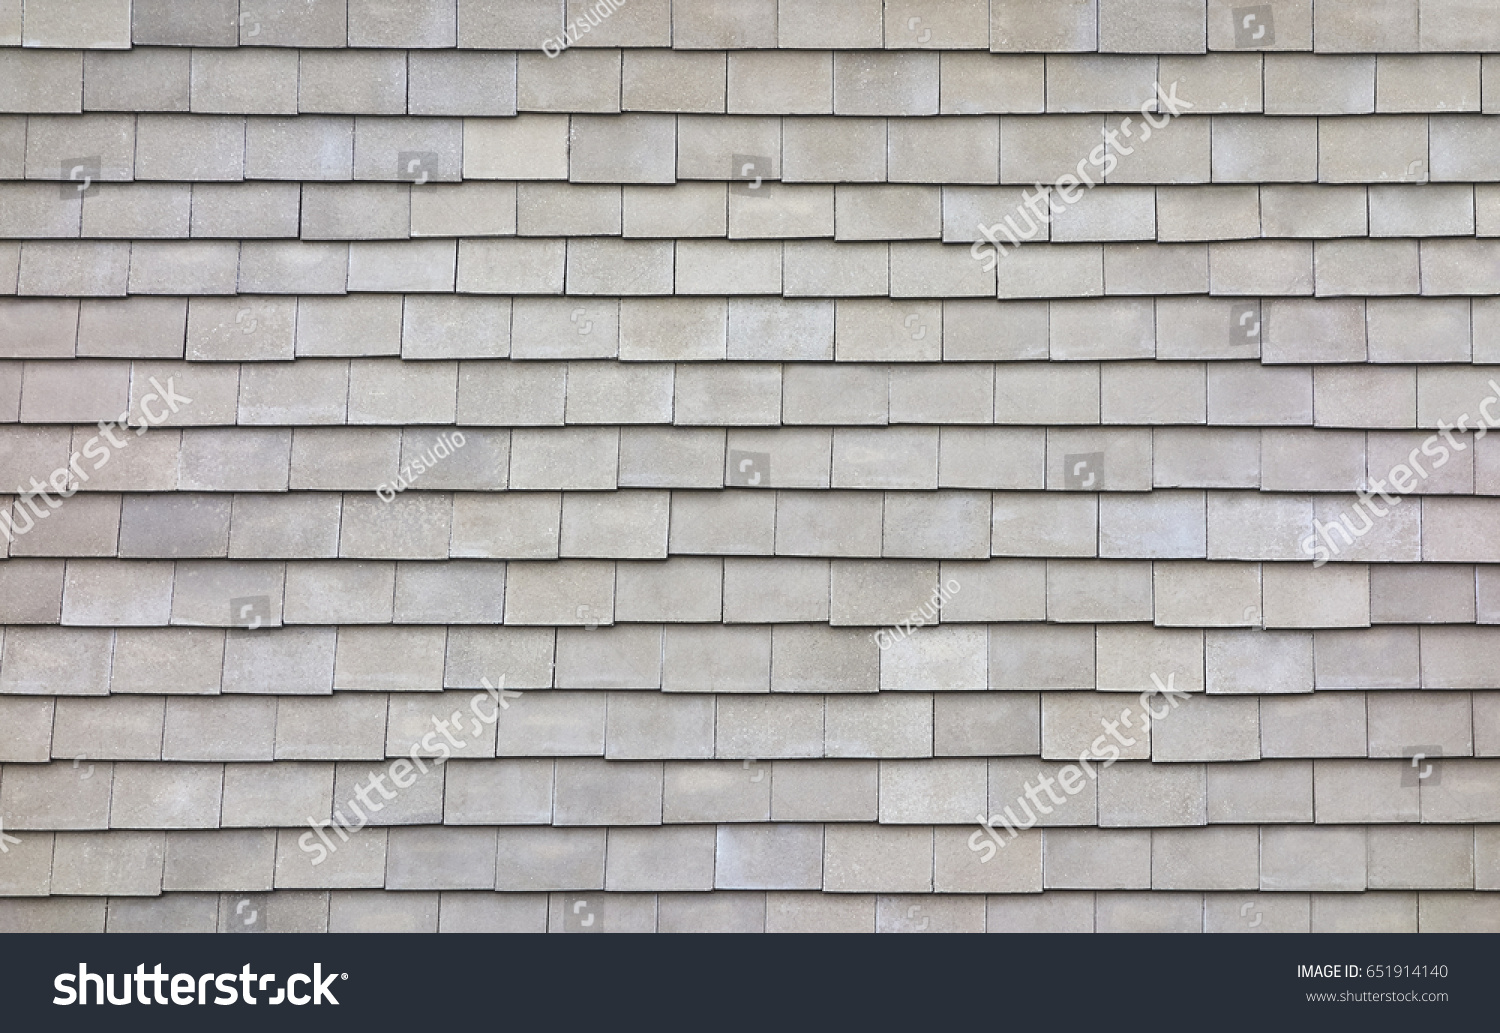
(458, 83)
(50, 23)
(1364, 912)
(574, 81)
(282, 23)
(821, 659)
(211, 24)
(1377, 658)
(524, 655)
(705, 24)
(340, 592)
(474, 209)
(528, 393)
(395, 391)
(1223, 858)
(870, 857)
(1363, 791)
(1102, 858)
(306, 147)
(258, 210)
(28, 725)
(1327, 724)
(243, 81)
(878, 725)
(723, 523)
(570, 592)
(53, 268)
(510, 792)
(373, 23)
(40, 329)
(677, 590)
(303, 724)
(1312, 858)
(529, 146)
(1462, 795)
(115, 863)
(1428, 594)
(355, 82)
(557, 723)
(1400, 723)
(121, 728)
(623, 149)
(204, 729)
(741, 394)
(1017, 25)
(57, 796)
(776, 82)
(241, 328)
(682, 210)
(166, 796)
(1445, 22)
(97, 592)
(1011, 458)
(1258, 661)
(448, 858)
(1341, 25)
(598, 792)
(38, 81)
(1392, 327)
(358, 863)
(662, 80)
(239, 861)
(1301, 597)
(521, 526)
(651, 726)
(664, 457)
(939, 659)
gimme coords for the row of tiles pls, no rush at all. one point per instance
(250, 328)
(741, 211)
(1058, 911)
(642, 148)
(896, 459)
(754, 394)
(852, 858)
(725, 592)
(604, 268)
(566, 793)
(590, 533)
(746, 82)
(1107, 26)
(643, 726)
